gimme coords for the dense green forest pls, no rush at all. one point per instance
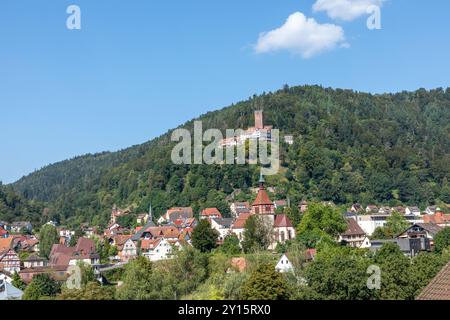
(14, 207)
(349, 146)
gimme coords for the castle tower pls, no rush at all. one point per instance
(259, 120)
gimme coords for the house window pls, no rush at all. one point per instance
(282, 236)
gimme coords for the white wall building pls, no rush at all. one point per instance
(284, 265)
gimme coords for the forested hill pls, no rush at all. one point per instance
(349, 146)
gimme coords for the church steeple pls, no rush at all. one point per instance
(261, 181)
(262, 204)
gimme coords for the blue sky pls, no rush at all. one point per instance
(138, 68)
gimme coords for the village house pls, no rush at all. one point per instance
(34, 261)
(9, 260)
(421, 230)
(176, 213)
(438, 218)
(19, 226)
(284, 265)
(210, 213)
(126, 247)
(58, 273)
(156, 249)
(369, 223)
(222, 226)
(432, 210)
(371, 209)
(412, 211)
(357, 208)
(238, 226)
(354, 236)
(410, 247)
(237, 208)
(84, 252)
(142, 218)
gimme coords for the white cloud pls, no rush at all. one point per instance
(346, 10)
(302, 35)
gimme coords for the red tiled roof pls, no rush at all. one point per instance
(166, 232)
(6, 243)
(439, 287)
(150, 244)
(262, 198)
(85, 246)
(437, 218)
(241, 220)
(281, 220)
(211, 212)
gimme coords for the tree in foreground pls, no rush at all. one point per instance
(47, 238)
(265, 284)
(231, 245)
(91, 291)
(18, 282)
(204, 238)
(41, 286)
(322, 218)
(257, 234)
(442, 240)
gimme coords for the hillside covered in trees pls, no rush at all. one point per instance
(349, 147)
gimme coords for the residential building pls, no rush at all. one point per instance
(9, 261)
(438, 218)
(421, 230)
(370, 222)
(156, 249)
(129, 250)
(222, 226)
(354, 236)
(284, 265)
(410, 247)
(412, 211)
(237, 208)
(432, 210)
(34, 261)
(176, 213)
(84, 252)
(210, 213)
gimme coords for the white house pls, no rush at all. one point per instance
(222, 226)
(284, 265)
(129, 250)
(370, 222)
(156, 249)
(412, 211)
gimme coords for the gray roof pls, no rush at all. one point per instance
(139, 234)
(9, 292)
(225, 222)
